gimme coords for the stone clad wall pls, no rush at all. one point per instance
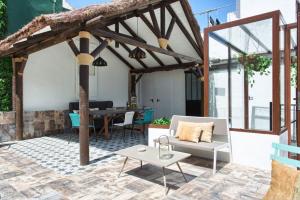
(36, 124)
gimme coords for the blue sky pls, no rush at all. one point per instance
(197, 6)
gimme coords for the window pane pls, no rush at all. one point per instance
(240, 84)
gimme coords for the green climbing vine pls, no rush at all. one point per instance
(5, 65)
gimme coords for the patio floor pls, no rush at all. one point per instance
(47, 168)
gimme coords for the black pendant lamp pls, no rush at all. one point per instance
(137, 53)
(100, 62)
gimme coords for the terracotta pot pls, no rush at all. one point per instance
(159, 126)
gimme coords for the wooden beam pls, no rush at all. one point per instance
(149, 25)
(120, 38)
(154, 20)
(70, 33)
(164, 68)
(117, 44)
(116, 53)
(20, 64)
(193, 24)
(170, 29)
(73, 47)
(35, 38)
(101, 21)
(100, 48)
(130, 31)
(163, 20)
(71, 29)
(138, 78)
(184, 31)
(84, 100)
(177, 59)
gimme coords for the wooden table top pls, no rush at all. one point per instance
(115, 111)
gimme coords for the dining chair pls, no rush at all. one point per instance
(147, 119)
(75, 121)
(128, 123)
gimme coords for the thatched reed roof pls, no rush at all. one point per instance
(80, 15)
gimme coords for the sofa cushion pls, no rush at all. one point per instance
(182, 124)
(207, 131)
(190, 133)
(282, 183)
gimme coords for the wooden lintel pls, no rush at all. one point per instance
(164, 68)
(73, 47)
(185, 31)
(127, 40)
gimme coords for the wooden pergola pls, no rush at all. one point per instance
(103, 22)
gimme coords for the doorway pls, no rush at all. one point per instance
(193, 94)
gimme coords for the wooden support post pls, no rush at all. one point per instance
(287, 79)
(14, 86)
(84, 59)
(19, 64)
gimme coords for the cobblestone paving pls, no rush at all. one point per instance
(23, 177)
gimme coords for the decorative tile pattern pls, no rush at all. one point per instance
(27, 172)
(56, 153)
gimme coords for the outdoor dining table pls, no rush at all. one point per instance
(108, 114)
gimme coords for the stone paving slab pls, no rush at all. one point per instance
(22, 177)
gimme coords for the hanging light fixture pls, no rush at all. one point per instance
(137, 53)
(99, 62)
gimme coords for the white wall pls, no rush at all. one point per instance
(51, 80)
(252, 149)
(168, 87)
(254, 7)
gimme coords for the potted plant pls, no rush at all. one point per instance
(254, 63)
(158, 128)
(161, 123)
(294, 71)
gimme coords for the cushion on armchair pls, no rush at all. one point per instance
(283, 183)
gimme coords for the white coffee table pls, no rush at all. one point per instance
(151, 156)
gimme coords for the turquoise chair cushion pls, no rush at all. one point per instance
(148, 117)
(75, 119)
